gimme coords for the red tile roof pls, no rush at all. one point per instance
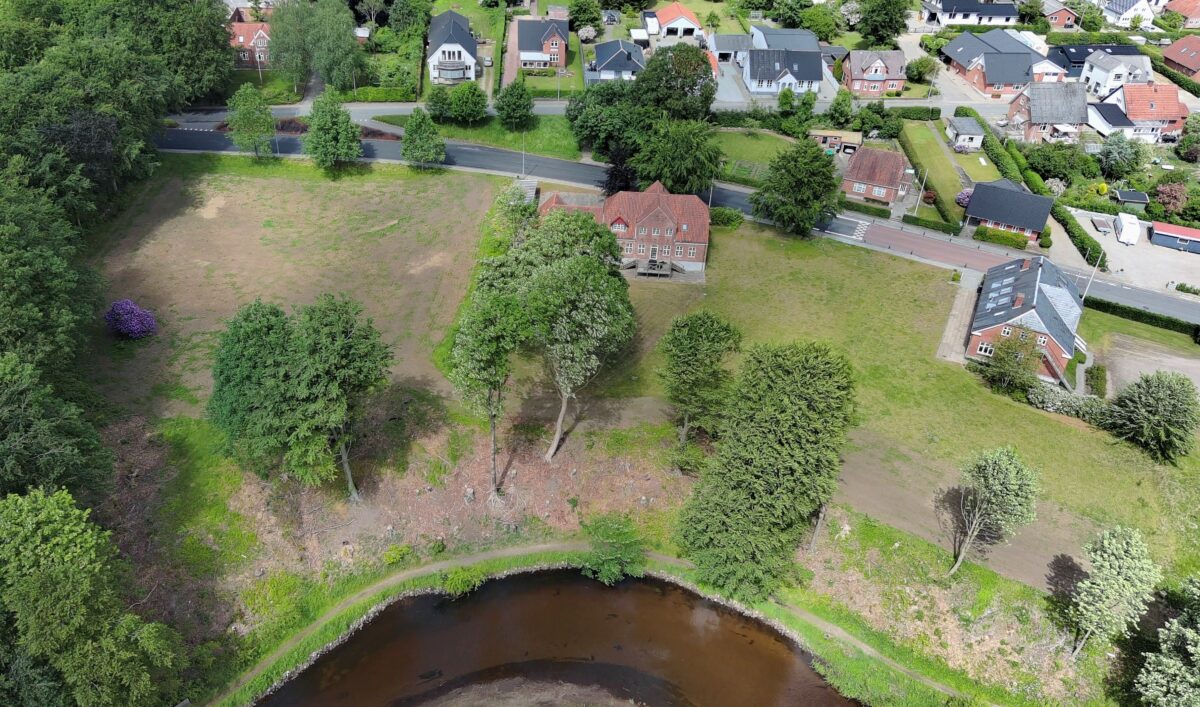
(673, 12)
(634, 207)
(1153, 101)
(1187, 8)
(882, 168)
(712, 62)
(1185, 52)
(242, 34)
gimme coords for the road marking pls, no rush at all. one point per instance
(860, 231)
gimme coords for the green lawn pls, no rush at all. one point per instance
(978, 171)
(915, 90)
(928, 155)
(276, 89)
(920, 415)
(747, 153)
(553, 86)
(549, 135)
(852, 40)
(1097, 328)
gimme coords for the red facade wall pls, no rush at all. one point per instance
(1062, 18)
(994, 336)
(889, 193)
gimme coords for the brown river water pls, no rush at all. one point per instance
(555, 638)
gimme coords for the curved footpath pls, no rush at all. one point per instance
(831, 630)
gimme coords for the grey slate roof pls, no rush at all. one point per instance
(1109, 62)
(451, 28)
(1049, 302)
(1113, 115)
(794, 39)
(1057, 103)
(1072, 56)
(985, 9)
(1003, 201)
(1049, 7)
(1005, 59)
(619, 55)
(773, 64)
(532, 34)
(731, 42)
(1131, 196)
(966, 126)
(830, 53)
(1004, 68)
(893, 61)
(1120, 6)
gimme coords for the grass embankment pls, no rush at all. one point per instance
(276, 89)
(548, 135)
(927, 155)
(1097, 328)
(748, 154)
(912, 406)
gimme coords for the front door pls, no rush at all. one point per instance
(654, 252)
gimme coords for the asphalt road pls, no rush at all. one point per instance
(905, 240)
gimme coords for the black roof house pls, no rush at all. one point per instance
(1072, 56)
(451, 28)
(619, 55)
(1031, 293)
(532, 34)
(1004, 201)
(774, 64)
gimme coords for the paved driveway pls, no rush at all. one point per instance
(1128, 358)
(729, 85)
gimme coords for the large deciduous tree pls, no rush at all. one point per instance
(801, 185)
(491, 327)
(1170, 677)
(1119, 156)
(291, 45)
(998, 496)
(332, 138)
(883, 20)
(580, 317)
(560, 235)
(678, 80)
(1117, 589)
(681, 154)
(695, 379)
(423, 145)
(251, 124)
(1012, 369)
(514, 105)
(777, 463)
(1158, 412)
(468, 103)
(584, 13)
(60, 582)
(337, 56)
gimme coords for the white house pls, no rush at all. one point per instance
(769, 71)
(1143, 112)
(965, 133)
(1122, 12)
(777, 38)
(452, 49)
(675, 20)
(969, 12)
(1104, 73)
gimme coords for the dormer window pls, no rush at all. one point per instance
(554, 44)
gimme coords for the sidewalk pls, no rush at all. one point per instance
(953, 346)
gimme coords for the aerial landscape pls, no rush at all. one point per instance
(676, 352)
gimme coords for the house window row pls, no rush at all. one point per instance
(878, 191)
(451, 55)
(985, 349)
(627, 248)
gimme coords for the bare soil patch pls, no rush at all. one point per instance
(197, 249)
(1128, 358)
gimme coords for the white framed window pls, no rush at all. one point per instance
(683, 227)
(1041, 340)
(997, 86)
(874, 87)
(892, 85)
(657, 231)
(678, 251)
(1006, 331)
(1023, 336)
(619, 227)
(759, 84)
(691, 251)
(629, 248)
(878, 191)
(554, 44)
(553, 58)
(860, 188)
(641, 230)
(985, 349)
(641, 248)
(670, 231)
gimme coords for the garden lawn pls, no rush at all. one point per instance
(748, 153)
(487, 21)
(852, 40)
(921, 418)
(928, 155)
(549, 135)
(1097, 328)
(915, 90)
(276, 89)
(978, 171)
(553, 86)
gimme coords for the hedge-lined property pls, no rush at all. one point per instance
(932, 225)
(999, 237)
(942, 181)
(1177, 78)
(1154, 319)
(852, 205)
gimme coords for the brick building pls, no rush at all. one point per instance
(542, 43)
(250, 38)
(876, 175)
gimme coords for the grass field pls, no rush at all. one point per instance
(928, 155)
(977, 170)
(851, 40)
(1096, 328)
(549, 135)
(748, 153)
(276, 89)
(553, 86)
(729, 25)
(920, 418)
(915, 90)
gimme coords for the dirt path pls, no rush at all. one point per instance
(830, 630)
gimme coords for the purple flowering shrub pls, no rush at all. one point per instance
(127, 319)
(964, 197)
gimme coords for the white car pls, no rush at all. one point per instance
(487, 61)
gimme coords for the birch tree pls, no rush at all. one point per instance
(998, 496)
(581, 316)
(1116, 592)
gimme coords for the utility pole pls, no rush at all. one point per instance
(1093, 277)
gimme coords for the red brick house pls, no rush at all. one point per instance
(250, 40)
(658, 232)
(1190, 9)
(1029, 299)
(1184, 56)
(871, 74)
(876, 175)
(1059, 15)
(1050, 112)
(1009, 206)
(542, 43)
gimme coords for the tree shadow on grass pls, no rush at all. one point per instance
(392, 419)
(949, 506)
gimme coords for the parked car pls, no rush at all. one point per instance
(487, 61)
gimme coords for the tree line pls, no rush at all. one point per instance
(83, 86)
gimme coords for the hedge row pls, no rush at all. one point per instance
(930, 224)
(992, 147)
(725, 216)
(995, 235)
(1057, 38)
(916, 112)
(941, 202)
(377, 94)
(1087, 246)
(1154, 319)
(868, 209)
(1180, 80)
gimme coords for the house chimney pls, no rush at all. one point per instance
(1019, 300)
(1025, 264)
